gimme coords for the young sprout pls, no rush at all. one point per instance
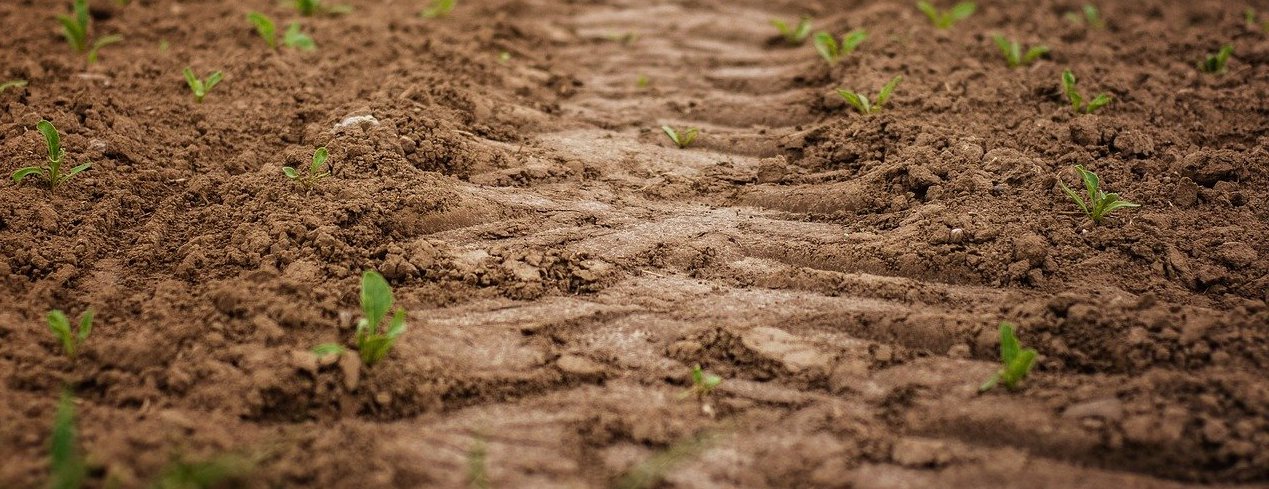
(317, 170)
(944, 19)
(831, 51)
(643, 81)
(265, 27)
(12, 84)
(1099, 203)
(295, 39)
(75, 29)
(861, 103)
(477, 459)
(794, 35)
(1249, 16)
(1012, 51)
(201, 87)
(60, 325)
(1077, 100)
(310, 8)
(682, 139)
(1091, 17)
(439, 8)
(52, 172)
(1215, 63)
(373, 341)
(68, 469)
(1016, 362)
(703, 384)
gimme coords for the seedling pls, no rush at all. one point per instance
(1215, 63)
(60, 325)
(944, 19)
(651, 472)
(373, 342)
(439, 8)
(310, 8)
(75, 29)
(52, 172)
(643, 81)
(1099, 203)
(327, 349)
(295, 39)
(265, 27)
(214, 472)
(12, 84)
(703, 384)
(317, 170)
(68, 469)
(1253, 22)
(794, 35)
(831, 51)
(1016, 362)
(1012, 51)
(682, 139)
(477, 459)
(1091, 17)
(201, 87)
(1077, 100)
(861, 103)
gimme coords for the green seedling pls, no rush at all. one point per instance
(295, 39)
(52, 172)
(327, 349)
(1012, 51)
(831, 51)
(439, 8)
(643, 81)
(1016, 362)
(373, 341)
(265, 27)
(60, 325)
(703, 384)
(651, 472)
(75, 29)
(794, 35)
(68, 469)
(1090, 17)
(1077, 101)
(203, 474)
(681, 139)
(944, 19)
(12, 84)
(477, 461)
(201, 87)
(1253, 22)
(1215, 63)
(313, 7)
(317, 170)
(504, 57)
(1096, 204)
(861, 103)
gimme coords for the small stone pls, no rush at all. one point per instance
(956, 235)
(383, 398)
(350, 365)
(1109, 409)
(1215, 431)
(579, 365)
(356, 120)
(778, 345)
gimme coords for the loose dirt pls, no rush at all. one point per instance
(564, 265)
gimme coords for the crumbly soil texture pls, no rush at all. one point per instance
(564, 265)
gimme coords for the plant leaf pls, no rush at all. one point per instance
(1017, 369)
(1075, 197)
(963, 10)
(191, 80)
(265, 27)
(886, 91)
(674, 135)
(290, 173)
(929, 11)
(827, 47)
(1009, 345)
(293, 38)
(76, 170)
(852, 40)
(67, 466)
(101, 43)
(1069, 88)
(22, 173)
(376, 298)
(1035, 53)
(1101, 100)
(327, 349)
(85, 324)
(397, 325)
(319, 158)
(52, 139)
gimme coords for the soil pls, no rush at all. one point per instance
(564, 265)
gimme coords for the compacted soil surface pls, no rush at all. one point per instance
(564, 265)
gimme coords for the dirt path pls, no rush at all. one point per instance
(565, 265)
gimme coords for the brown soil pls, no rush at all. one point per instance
(564, 266)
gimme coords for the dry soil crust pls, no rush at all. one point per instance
(564, 266)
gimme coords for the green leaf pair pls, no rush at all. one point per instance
(293, 38)
(832, 51)
(865, 106)
(1099, 203)
(52, 172)
(1013, 54)
(1216, 63)
(75, 29)
(1077, 101)
(200, 87)
(703, 384)
(681, 139)
(60, 325)
(1091, 17)
(373, 341)
(317, 170)
(796, 34)
(1016, 361)
(944, 19)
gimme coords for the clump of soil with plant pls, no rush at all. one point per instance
(537, 243)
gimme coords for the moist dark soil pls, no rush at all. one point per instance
(564, 265)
